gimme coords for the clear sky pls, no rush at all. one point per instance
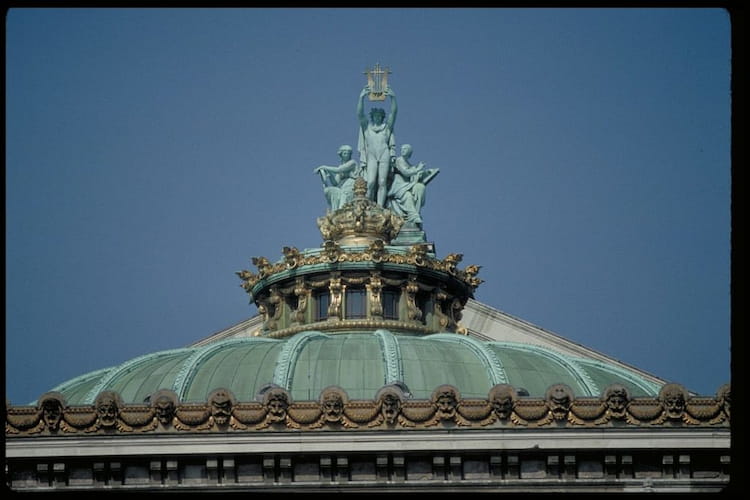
(584, 161)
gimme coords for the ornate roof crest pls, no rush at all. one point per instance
(360, 221)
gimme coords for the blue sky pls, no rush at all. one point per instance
(584, 160)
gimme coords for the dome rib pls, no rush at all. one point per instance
(583, 378)
(287, 359)
(647, 386)
(68, 384)
(125, 368)
(190, 366)
(360, 366)
(393, 367)
(489, 359)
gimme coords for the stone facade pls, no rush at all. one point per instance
(573, 461)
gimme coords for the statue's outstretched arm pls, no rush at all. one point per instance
(344, 167)
(361, 107)
(394, 108)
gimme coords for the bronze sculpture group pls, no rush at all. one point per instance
(392, 181)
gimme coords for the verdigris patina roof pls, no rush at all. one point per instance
(360, 363)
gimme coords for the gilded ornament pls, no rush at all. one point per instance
(412, 288)
(451, 261)
(263, 265)
(375, 289)
(292, 257)
(302, 292)
(336, 291)
(376, 251)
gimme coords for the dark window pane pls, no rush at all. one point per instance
(293, 302)
(424, 303)
(390, 304)
(322, 301)
(355, 303)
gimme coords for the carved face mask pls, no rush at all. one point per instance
(164, 410)
(277, 406)
(617, 401)
(391, 407)
(221, 408)
(52, 413)
(107, 412)
(559, 402)
(446, 403)
(333, 407)
(674, 403)
(502, 405)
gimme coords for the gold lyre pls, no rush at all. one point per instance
(377, 80)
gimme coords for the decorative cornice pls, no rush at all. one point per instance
(391, 410)
(213, 444)
(335, 326)
(376, 253)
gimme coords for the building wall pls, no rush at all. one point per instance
(671, 460)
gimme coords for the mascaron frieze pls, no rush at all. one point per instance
(391, 408)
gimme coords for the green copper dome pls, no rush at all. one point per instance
(360, 363)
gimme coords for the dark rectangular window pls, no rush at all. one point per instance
(424, 303)
(322, 301)
(292, 302)
(356, 301)
(390, 304)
